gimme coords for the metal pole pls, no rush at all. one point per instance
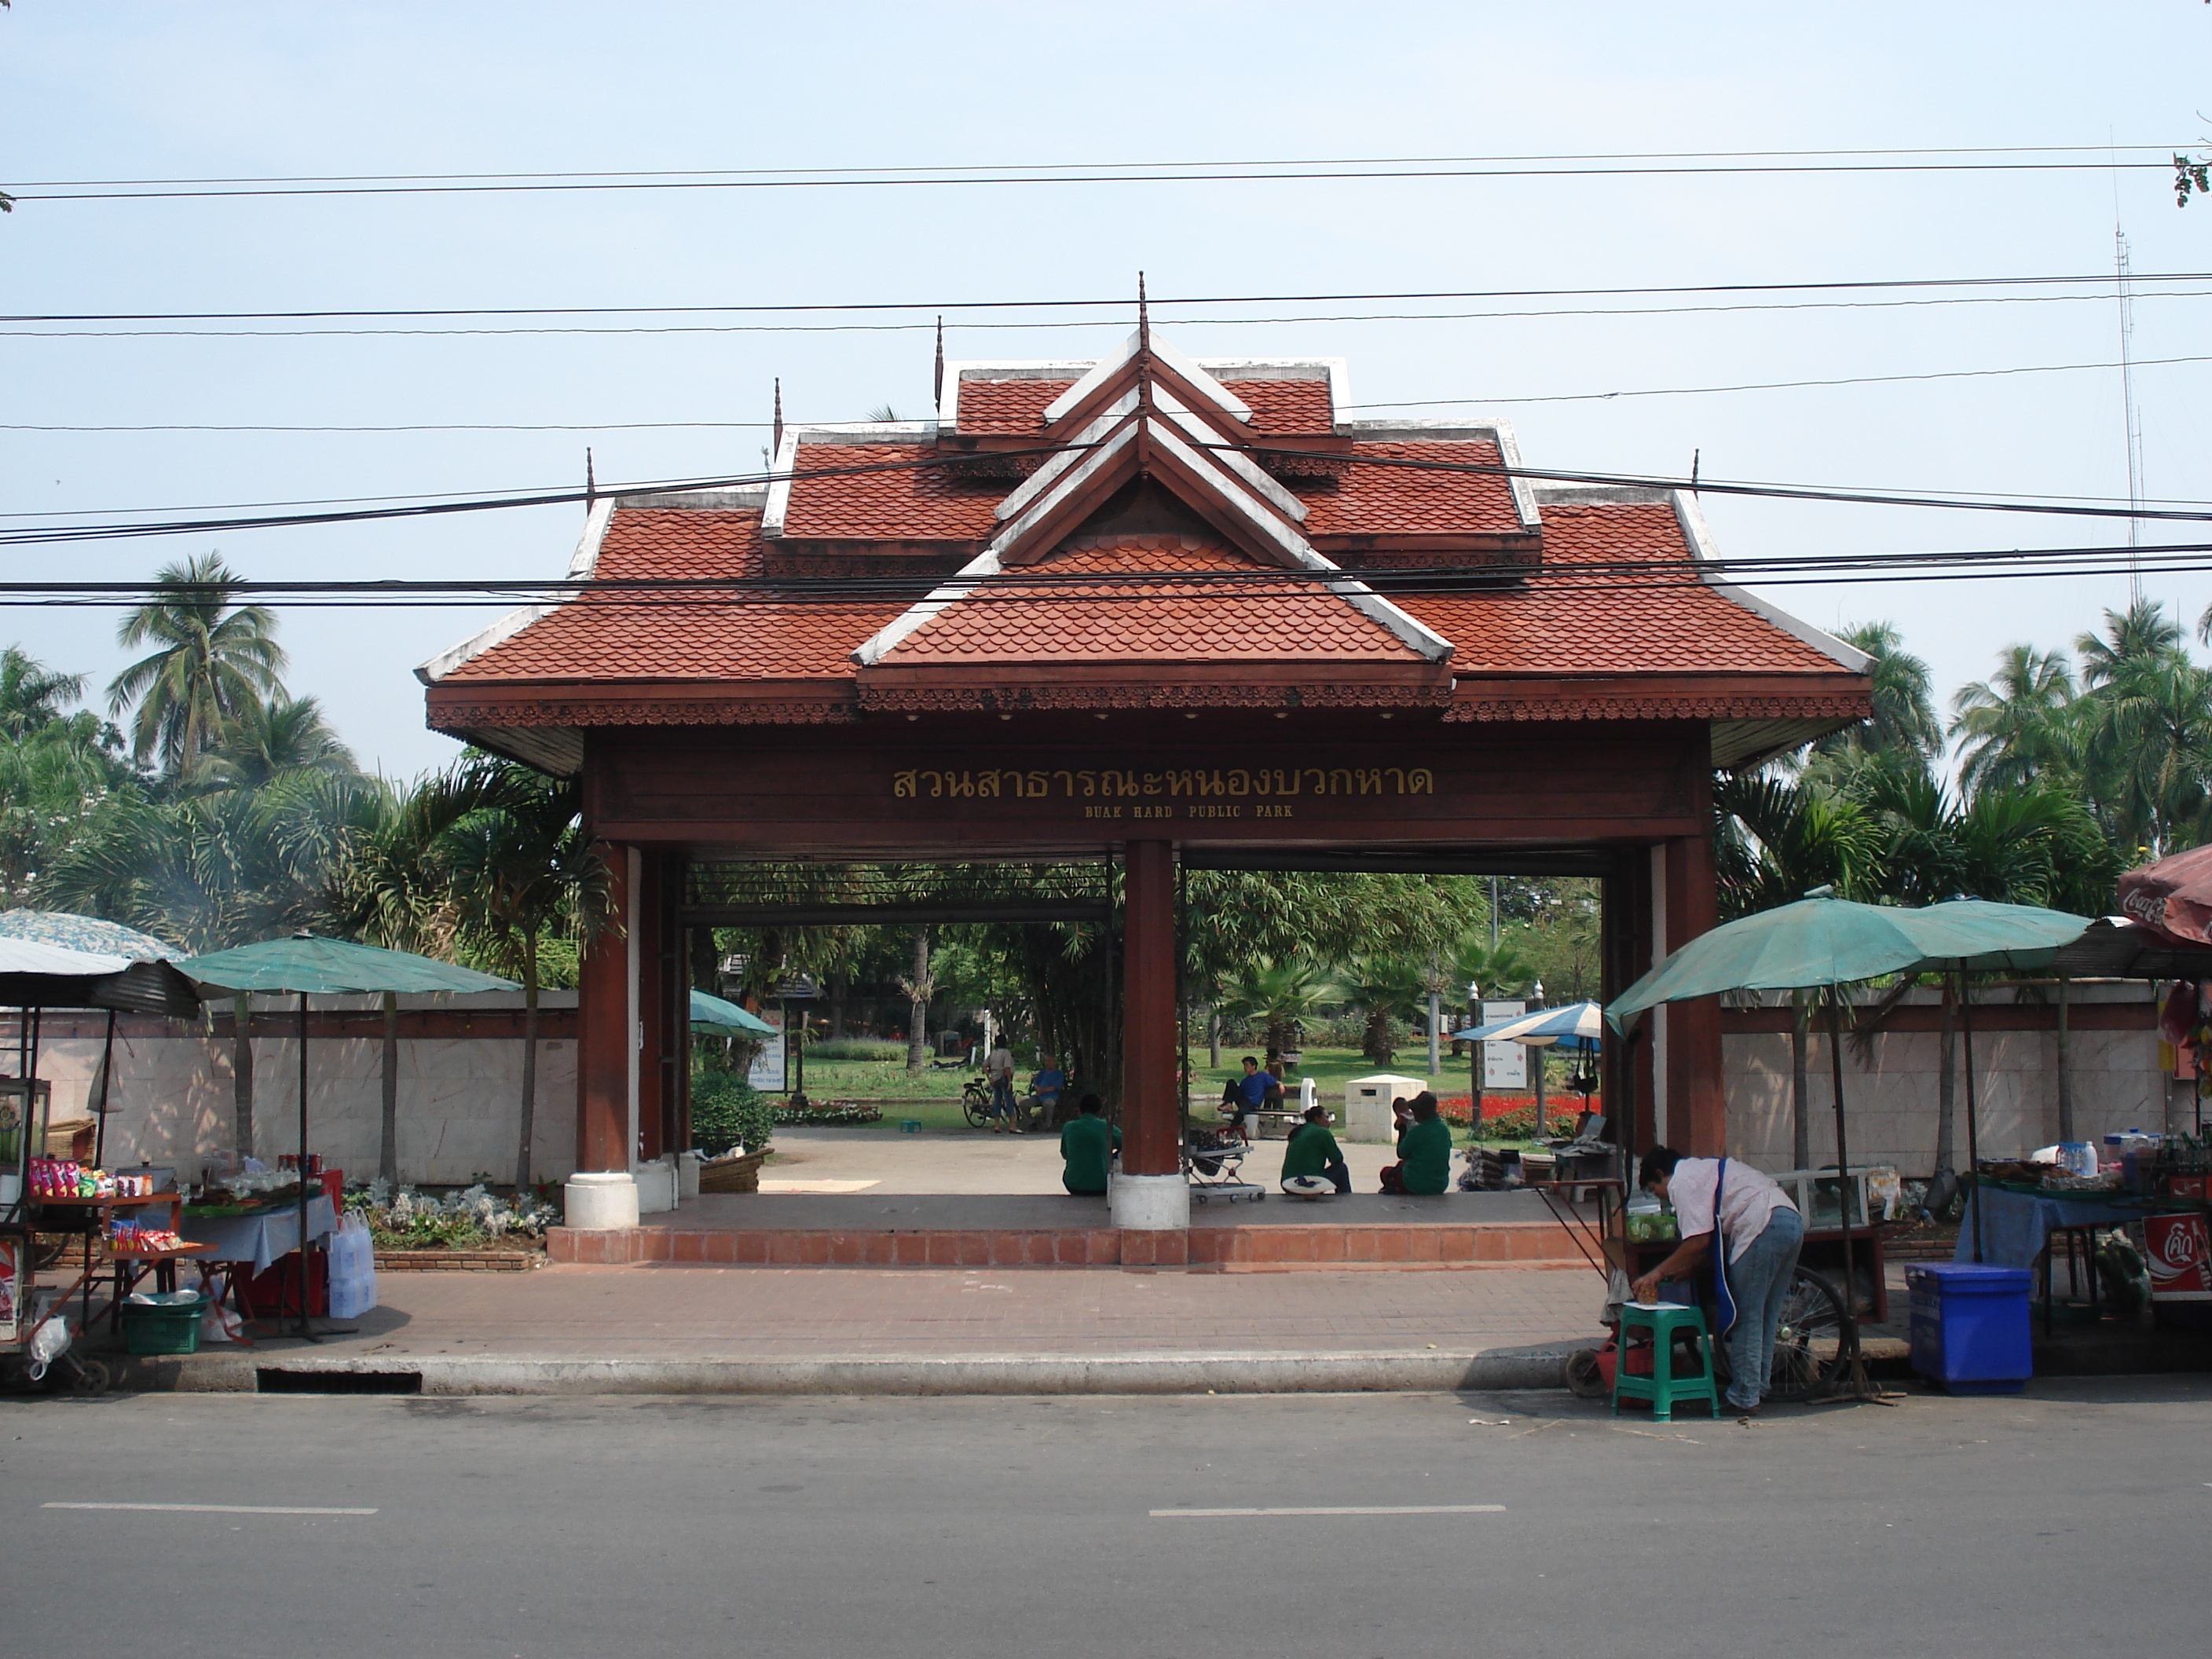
(106, 1073)
(1974, 1127)
(301, 1275)
(1843, 1153)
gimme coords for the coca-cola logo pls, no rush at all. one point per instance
(2179, 1247)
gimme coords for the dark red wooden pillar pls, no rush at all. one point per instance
(1151, 1116)
(1697, 1109)
(647, 914)
(604, 1041)
(1629, 1079)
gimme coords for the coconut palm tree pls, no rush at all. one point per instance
(213, 662)
(2020, 726)
(31, 694)
(2138, 633)
(280, 733)
(517, 869)
(2149, 726)
(1283, 996)
(1904, 720)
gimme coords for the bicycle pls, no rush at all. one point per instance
(976, 1102)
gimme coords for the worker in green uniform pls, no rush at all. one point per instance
(1087, 1144)
(1424, 1164)
(1311, 1153)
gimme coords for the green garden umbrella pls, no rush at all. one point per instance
(304, 965)
(1825, 941)
(712, 1016)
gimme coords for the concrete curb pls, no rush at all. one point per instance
(1543, 1366)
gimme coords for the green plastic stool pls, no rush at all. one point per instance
(1662, 1387)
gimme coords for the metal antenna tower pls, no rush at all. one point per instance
(2125, 289)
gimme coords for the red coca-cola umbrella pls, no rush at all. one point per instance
(2174, 896)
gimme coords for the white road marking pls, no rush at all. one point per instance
(210, 1508)
(1359, 1509)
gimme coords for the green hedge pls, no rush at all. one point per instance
(728, 1112)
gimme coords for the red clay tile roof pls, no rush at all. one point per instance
(1281, 408)
(1167, 621)
(900, 500)
(1006, 406)
(1563, 622)
(1287, 408)
(678, 636)
(1410, 501)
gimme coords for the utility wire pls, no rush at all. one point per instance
(628, 329)
(47, 534)
(1410, 402)
(1122, 173)
(1057, 166)
(1115, 302)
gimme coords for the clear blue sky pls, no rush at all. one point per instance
(142, 91)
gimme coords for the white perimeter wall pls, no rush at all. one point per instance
(172, 1100)
(1890, 1097)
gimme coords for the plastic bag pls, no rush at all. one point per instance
(50, 1342)
(353, 1269)
(220, 1322)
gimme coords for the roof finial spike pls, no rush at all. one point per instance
(1143, 318)
(936, 386)
(1695, 457)
(590, 482)
(778, 439)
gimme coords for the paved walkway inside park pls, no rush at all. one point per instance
(876, 1157)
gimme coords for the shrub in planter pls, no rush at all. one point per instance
(728, 1112)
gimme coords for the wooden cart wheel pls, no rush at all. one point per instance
(90, 1377)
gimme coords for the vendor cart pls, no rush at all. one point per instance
(1816, 1343)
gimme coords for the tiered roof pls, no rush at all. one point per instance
(1145, 532)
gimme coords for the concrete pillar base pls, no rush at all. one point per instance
(656, 1185)
(596, 1201)
(1150, 1204)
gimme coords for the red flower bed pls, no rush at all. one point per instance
(1514, 1116)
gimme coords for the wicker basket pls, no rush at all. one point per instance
(732, 1175)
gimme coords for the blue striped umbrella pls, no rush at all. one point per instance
(75, 932)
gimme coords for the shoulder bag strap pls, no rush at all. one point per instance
(1724, 1304)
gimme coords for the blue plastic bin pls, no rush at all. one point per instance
(1970, 1330)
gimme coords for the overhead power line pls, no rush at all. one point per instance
(2057, 159)
(2104, 279)
(1408, 403)
(47, 534)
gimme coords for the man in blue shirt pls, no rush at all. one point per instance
(1255, 1090)
(1045, 1089)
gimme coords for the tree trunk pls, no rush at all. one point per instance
(837, 1008)
(1801, 1085)
(2065, 1071)
(241, 1072)
(917, 1018)
(1213, 1038)
(1436, 1017)
(1947, 1087)
(1378, 1047)
(529, 1062)
(387, 1157)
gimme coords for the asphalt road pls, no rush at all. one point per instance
(2072, 1520)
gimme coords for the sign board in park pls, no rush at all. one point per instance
(767, 1071)
(1504, 1064)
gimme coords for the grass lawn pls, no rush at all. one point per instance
(938, 1092)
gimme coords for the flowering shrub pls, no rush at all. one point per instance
(1513, 1117)
(407, 1219)
(829, 1111)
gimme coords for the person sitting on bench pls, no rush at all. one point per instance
(1256, 1092)
(1045, 1089)
(1311, 1155)
(1087, 1145)
(1424, 1164)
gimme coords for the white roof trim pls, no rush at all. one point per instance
(582, 564)
(963, 582)
(1070, 479)
(778, 485)
(1046, 476)
(1524, 495)
(1692, 518)
(1211, 389)
(1235, 460)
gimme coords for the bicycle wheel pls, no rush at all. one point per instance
(1814, 1341)
(975, 1105)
